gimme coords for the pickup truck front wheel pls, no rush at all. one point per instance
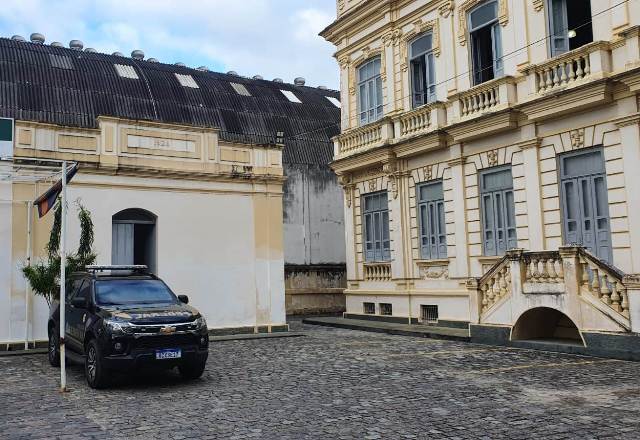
(192, 370)
(95, 371)
(53, 348)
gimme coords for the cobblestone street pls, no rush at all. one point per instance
(336, 384)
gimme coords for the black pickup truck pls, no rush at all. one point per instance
(122, 317)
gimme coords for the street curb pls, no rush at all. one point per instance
(389, 331)
(23, 352)
(246, 337)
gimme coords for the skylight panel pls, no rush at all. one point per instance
(187, 81)
(125, 71)
(60, 62)
(240, 89)
(291, 96)
(334, 101)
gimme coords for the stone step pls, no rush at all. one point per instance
(448, 333)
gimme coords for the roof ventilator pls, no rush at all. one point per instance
(37, 38)
(90, 50)
(18, 38)
(137, 55)
(76, 44)
(153, 60)
(299, 81)
(278, 80)
(57, 44)
(257, 77)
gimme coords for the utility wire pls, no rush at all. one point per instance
(502, 58)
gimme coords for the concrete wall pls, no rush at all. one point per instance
(314, 243)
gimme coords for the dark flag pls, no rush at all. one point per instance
(46, 201)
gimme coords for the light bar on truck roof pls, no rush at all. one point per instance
(117, 267)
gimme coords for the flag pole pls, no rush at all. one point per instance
(63, 264)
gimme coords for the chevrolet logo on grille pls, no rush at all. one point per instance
(167, 330)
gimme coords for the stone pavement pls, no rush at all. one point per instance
(335, 384)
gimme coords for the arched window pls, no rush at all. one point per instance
(370, 91)
(423, 70)
(134, 238)
(486, 42)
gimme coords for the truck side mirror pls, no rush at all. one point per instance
(183, 299)
(79, 303)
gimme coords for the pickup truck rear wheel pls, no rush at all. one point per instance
(192, 370)
(53, 348)
(95, 371)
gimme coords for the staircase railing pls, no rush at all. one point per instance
(571, 269)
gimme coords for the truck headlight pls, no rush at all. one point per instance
(117, 327)
(201, 323)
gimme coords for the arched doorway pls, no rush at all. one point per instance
(546, 324)
(134, 238)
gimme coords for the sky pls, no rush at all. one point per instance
(272, 38)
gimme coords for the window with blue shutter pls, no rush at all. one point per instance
(498, 211)
(370, 91)
(377, 245)
(486, 42)
(423, 71)
(585, 202)
(433, 234)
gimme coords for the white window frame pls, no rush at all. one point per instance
(426, 59)
(496, 43)
(370, 100)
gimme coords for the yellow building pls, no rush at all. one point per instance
(181, 168)
(479, 139)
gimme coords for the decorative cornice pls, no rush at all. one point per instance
(446, 8)
(628, 120)
(420, 27)
(463, 10)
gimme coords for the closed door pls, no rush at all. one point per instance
(585, 203)
(122, 243)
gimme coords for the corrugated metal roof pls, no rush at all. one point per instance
(69, 87)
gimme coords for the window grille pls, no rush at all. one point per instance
(429, 313)
(433, 234)
(376, 227)
(369, 308)
(386, 309)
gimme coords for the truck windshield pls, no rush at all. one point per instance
(125, 292)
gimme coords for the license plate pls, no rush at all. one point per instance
(169, 353)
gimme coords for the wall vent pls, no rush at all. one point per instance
(386, 309)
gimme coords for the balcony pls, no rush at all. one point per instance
(419, 121)
(363, 138)
(492, 96)
(377, 272)
(589, 62)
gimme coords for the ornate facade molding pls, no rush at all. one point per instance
(446, 8)
(367, 53)
(577, 138)
(492, 157)
(419, 27)
(538, 5)
(463, 10)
